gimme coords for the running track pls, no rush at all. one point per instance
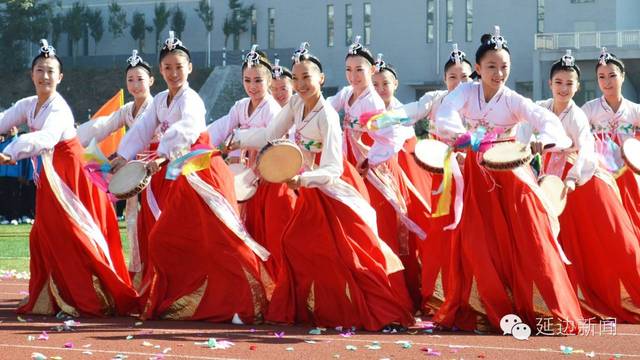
(94, 339)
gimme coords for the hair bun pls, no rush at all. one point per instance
(485, 38)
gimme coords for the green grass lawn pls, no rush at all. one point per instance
(14, 246)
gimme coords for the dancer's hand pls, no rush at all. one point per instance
(569, 186)
(6, 160)
(536, 147)
(153, 166)
(117, 163)
(294, 183)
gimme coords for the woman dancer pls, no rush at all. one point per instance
(139, 81)
(506, 259)
(341, 277)
(198, 248)
(614, 119)
(76, 260)
(267, 213)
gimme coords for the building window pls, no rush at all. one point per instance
(330, 25)
(367, 23)
(254, 26)
(540, 16)
(348, 21)
(582, 1)
(431, 19)
(449, 20)
(272, 28)
(469, 22)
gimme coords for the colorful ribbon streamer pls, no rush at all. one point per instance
(196, 160)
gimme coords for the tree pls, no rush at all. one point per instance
(160, 20)
(178, 21)
(139, 29)
(39, 19)
(17, 20)
(57, 26)
(117, 19)
(75, 24)
(236, 22)
(205, 13)
(96, 26)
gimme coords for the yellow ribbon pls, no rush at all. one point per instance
(444, 203)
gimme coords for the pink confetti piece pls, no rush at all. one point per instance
(68, 345)
(431, 352)
(347, 334)
(43, 336)
(279, 335)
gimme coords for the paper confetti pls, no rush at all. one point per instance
(316, 331)
(147, 344)
(87, 353)
(138, 323)
(567, 350)
(289, 349)
(166, 350)
(590, 354)
(56, 358)
(23, 320)
(431, 352)
(351, 347)
(129, 337)
(375, 345)
(31, 338)
(310, 342)
(38, 356)
(68, 345)
(43, 336)
(279, 334)
(404, 343)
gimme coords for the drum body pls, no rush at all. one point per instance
(130, 180)
(430, 154)
(279, 161)
(506, 156)
(631, 154)
(553, 187)
(245, 181)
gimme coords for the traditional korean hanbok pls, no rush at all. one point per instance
(434, 252)
(403, 215)
(611, 130)
(76, 259)
(198, 247)
(507, 259)
(335, 268)
(99, 129)
(596, 232)
(267, 213)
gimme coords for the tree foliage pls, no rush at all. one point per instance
(235, 23)
(139, 29)
(178, 21)
(160, 20)
(117, 19)
(96, 26)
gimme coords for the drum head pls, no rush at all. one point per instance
(431, 154)
(127, 178)
(244, 182)
(279, 162)
(506, 156)
(631, 154)
(553, 187)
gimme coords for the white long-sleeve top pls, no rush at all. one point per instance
(425, 108)
(504, 111)
(387, 141)
(179, 123)
(238, 117)
(318, 132)
(575, 123)
(619, 125)
(53, 123)
(103, 126)
(407, 131)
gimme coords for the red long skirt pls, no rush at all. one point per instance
(68, 271)
(630, 193)
(333, 271)
(266, 216)
(602, 244)
(504, 261)
(199, 262)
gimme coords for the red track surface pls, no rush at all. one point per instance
(107, 338)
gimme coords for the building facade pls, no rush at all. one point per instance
(415, 36)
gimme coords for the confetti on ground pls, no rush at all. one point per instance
(147, 344)
(431, 352)
(56, 358)
(316, 331)
(289, 349)
(23, 320)
(43, 336)
(404, 343)
(279, 334)
(351, 347)
(87, 353)
(31, 338)
(567, 350)
(68, 345)
(166, 350)
(347, 334)
(212, 343)
(590, 354)
(120, 357)
(129, 337)
(252, 347)
(38, 356)
(138, 323)
(375, 345)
